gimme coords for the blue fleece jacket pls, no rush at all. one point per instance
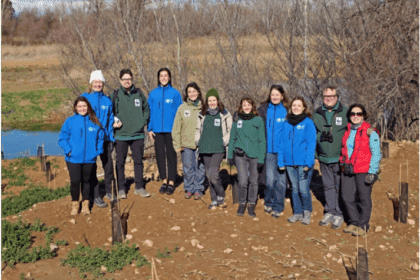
(298, 144)
(81, 140)
(276, 117)
(163, 104)
(102, 106)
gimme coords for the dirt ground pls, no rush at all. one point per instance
(261, 248)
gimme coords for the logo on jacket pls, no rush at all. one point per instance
(137, 102)
(169, 101)
(240, 122)
(217, 122)
(91, 129)
(300, 126)
(338, 121)
(187, 113)
(103, 107)
(280, 120)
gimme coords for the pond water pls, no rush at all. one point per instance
(20, 143)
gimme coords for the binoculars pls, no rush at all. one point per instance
(326, 136)
(347, 169)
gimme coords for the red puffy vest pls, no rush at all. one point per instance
(360, 158)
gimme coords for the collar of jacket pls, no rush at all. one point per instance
(167, 86)
(321, 111)
(223, 114)
(133, 89)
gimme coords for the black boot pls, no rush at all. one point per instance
(251, 212)
(241, 210)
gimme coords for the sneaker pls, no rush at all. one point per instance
(349, 229)
(251, 210)
(328, 218)
(100, 202)
(295, 218)
(241, 210)
(122, 194)
(268, 209)
(163, 188)
(109, 196)
(337, 222)
(197, 195)
(213, 205)
(221, 202)
(188, 195)
(142, 192)
(359, 232)
(306, 217)
(170, 190)
(275, 214)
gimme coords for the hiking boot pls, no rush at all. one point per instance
(74, 208)
(349, 229)
(337, 222)
(85, 207)
(100, 202)
(188, 195)
(163, 188)
(306, 217)
(109, 196)
(213, 205)
(251, 210)
(275, 214)
(142, 192)
(170, 190)
(197, 195)
(241, 210)
(358, 232)
(221, 203)
(122, 194)
(268, 209)
(328, 219)
(295, 218)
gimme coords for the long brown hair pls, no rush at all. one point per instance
(91, 113)
(197, 88)
(250, 101)
(306, 111)
(219, 105)
(285, 99)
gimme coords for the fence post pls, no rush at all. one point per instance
(403, 203)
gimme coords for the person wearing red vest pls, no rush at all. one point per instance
(359, 161)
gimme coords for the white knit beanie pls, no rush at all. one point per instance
(96, 75)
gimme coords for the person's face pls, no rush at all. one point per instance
(276, 97)
(297, 107)
(81, 108)
(330, 97)
(247, 107)
(164, 78)
(192, 93)
(126, 81)
(97, 85)
(356, 115)
(212, 101)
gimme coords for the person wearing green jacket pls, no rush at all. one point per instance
(132, 114)
(183, 137)
(247, 142)
(330, 121)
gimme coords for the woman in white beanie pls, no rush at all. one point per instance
(102, 106)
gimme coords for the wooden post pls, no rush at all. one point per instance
(117, 230)
(403, 203)
(48, 171)
(385, 150)
(362, 266)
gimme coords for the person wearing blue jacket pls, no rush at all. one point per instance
(297, 156)
(163, 103)
(274, 112)
(102, 106)
(82, 139)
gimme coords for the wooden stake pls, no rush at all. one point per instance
(404, 202)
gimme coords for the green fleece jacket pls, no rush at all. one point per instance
(327, 152)
(183, 131)
(248, 135)
(133, 111)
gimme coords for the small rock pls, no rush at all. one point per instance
(150, 217)
(411, 222)
(294, 262)
(77, 243)
(390, 231)
(134, 230)
(288, 255)
(176, 228)
(73, 221)
(106, 244)
(172, 201)
(194, 242)
(103, 269)
(332, 248)
(323, 240)
(334, 259)
(192, 224)
(255, 248)
(15, 168)
(233, 235)
(136, 271)
(226, 212)
(303, 267)
(297, 274)
(228, 251)
(110, 239)
(194, 230)
(291, 276)
(256, 219)
(148, 243)
(271, 238)
(414, 266)
(53, 248)
(158, 261)
(246, 254)
(128, 236)
(182, 249)
(311, 264)
(382, 246)
(29, 275)
(378, 229)
(199, 246)
(264, 248)
(340, 260)
(329, 255)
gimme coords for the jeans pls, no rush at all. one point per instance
(275, 184)
(193, 171)
(331, 181)
(301, 195)
(212, 165)
(247, 173)
(80, 174)
(137, 149)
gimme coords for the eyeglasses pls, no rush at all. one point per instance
(359, 114)
(329, 96)
(126, 80)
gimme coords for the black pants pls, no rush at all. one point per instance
(79, 179)
(137, 149)
(357, 199)
(212, 166)
(165, 152)
(106, 158)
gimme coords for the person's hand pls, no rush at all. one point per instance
(282, 169)
(151, 135)
(231, 162)
(306, 172)
(306, 169)
(117, 124)
(180, 150)
(371, 179)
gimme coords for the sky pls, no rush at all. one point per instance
(41, 5)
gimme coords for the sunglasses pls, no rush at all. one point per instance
(359, 114)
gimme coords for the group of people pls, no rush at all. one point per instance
(277, 143)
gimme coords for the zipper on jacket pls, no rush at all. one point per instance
(293, 140)
(84, 154)
(272, 135)
(163, 103)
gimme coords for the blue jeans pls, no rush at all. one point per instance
(275, 184)
(193, 171)
(301, 195)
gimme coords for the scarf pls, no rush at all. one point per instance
(195, 103)
(355, 126)
(296, 119)
(246, 117)
(213, 112)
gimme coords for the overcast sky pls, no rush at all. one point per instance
(41, 5)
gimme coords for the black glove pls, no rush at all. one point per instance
(305, 172)
(231, 162)
(260, 166)
(371, 179)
